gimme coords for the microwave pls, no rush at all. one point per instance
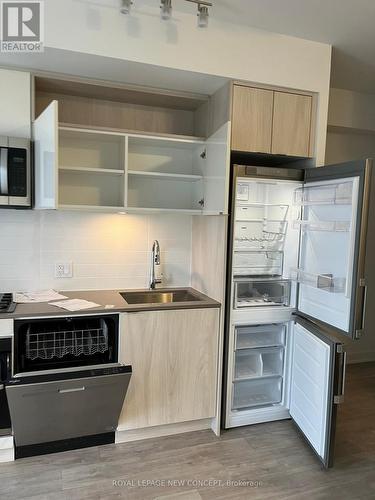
(15, 173)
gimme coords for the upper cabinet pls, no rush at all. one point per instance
(80, 164)
(252, 119)
(269, 121)
(15, 114)
(291, 131)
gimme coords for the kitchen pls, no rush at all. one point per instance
(133, 184)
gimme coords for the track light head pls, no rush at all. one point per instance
(126, 6)
(166, 9)
(202, 16)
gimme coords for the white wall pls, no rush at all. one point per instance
(351, 126)
(351, 118)
(224, 49)
(350, 109)
(347, 146)
(108, 250)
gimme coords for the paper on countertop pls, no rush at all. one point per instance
(37, 296)
(74, 304)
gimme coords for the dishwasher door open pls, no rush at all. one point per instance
(67, 387)
(48, 409)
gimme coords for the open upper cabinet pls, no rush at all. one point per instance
(96, 152)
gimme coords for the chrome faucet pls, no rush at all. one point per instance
(155, 261)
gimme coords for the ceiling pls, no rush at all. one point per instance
(348, 25)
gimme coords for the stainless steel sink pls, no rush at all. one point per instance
(160, 297)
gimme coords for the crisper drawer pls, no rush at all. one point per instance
(260, 336)
(251, 363)
(258, 392)
(257, 263)
(267, 292)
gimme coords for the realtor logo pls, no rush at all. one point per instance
(22, 26)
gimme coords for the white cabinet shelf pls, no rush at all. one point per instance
(166, 176)
(113, 170)
(104, 171)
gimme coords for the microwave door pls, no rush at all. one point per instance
(331, 275)
(4, 198)
(317, 386)
(19, 176)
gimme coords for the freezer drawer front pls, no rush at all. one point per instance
(317, 382)
(332, 281)
(62, 409)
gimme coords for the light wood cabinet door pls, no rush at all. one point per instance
(291, 124)
(174, 359)
(252, 119)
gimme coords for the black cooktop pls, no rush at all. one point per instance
(6, 303)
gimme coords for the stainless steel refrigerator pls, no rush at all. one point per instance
(299, 278)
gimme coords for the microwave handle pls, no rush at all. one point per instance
(3, 171)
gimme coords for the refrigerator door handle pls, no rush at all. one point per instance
(362, 289)
(339, 398)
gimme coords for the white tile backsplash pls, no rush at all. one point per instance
(107, 250)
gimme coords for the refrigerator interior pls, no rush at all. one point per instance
(265, 241)
(265, 250)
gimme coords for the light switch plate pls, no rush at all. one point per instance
(63, 269)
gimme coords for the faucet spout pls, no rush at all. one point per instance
(155, 261)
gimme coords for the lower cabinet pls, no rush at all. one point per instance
(174, 358)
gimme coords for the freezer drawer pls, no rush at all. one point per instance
(250, 363)
(260, 336)
(49, 408)
(258, 392)
(267, 292)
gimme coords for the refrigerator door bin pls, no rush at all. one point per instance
(258, 235)
(338, 193)
(248, 337)
(250, 363)
(257, 211)
(337, 226)
(257, 263)
(257, 292)
(326, 282)
(258, 392)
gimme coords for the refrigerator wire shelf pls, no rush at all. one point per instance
(49, 345)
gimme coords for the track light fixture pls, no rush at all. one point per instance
(166, 9)
(126, 6)
(202, 16)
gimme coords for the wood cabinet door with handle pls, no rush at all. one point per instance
(252, 119)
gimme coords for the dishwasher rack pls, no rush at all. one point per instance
(57, 344)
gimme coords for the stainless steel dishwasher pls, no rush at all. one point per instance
(67, 387)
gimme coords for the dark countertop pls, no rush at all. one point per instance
(109, 298)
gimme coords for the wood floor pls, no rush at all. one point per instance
(272, 458)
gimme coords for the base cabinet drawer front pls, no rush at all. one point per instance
(174, 359)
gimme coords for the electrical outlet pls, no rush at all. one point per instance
(63, 269)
